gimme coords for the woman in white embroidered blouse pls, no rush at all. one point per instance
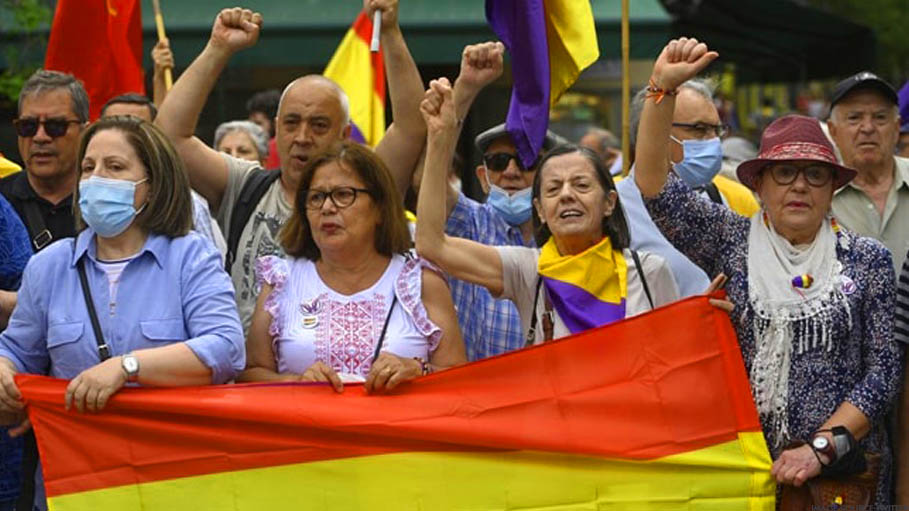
(349, 303)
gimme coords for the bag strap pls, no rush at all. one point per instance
(713, 192)
(250, 194)
(103, 349)
(637, 265)
(548, 323)
(37, 229)
(394, 300)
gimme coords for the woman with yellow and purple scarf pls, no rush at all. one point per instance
(583, 276)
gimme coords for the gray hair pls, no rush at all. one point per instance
(255, 132)
(605, 138)
(342, 96)
(701, 86)
(42, 81)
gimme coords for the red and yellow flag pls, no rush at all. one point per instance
(650, 413)
(361, 74)
(100, 43)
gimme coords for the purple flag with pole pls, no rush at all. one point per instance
(521, 25)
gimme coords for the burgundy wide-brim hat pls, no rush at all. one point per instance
(794, 138)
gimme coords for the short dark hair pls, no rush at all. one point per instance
(615, 225)
(133, 99)
(169, 211)
(265, 102)
(391, 236)
(42, 81)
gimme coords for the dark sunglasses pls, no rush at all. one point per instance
(498, 162)
(54, 127)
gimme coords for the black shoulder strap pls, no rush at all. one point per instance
(713, 192)
(103, 349)
(252, 192)
(37, 229)
(637, 264)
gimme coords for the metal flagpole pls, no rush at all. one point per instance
(159, 22)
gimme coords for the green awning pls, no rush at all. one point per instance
(436, 30)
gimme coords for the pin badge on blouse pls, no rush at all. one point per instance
(849, 286)
(310, 311)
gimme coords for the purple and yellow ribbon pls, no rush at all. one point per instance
(588, 289)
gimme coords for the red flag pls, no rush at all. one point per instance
(100, 43)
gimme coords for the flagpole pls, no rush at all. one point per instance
(159, 22)
(626, 93)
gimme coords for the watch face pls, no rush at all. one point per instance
(130, 364)
(820, 442)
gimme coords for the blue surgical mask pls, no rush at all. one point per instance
(702, 161)
(106, 205)
(515, 208)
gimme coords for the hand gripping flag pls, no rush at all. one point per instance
(650, 413)
(550, 42)
(361, 74)
(100, 43)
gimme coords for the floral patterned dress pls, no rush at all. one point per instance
(864, 364)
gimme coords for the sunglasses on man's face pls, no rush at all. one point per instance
(54, 127)
(498, 162)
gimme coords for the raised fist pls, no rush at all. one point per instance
(236, 29)
(389, 10)
(481, 64)
(438, 109)
(681, 60)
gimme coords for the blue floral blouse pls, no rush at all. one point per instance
(865, 365)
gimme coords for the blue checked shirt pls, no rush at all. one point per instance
(489, 326)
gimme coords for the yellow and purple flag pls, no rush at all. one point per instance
(550, 42)
(651, 413)
(587, 289)
(361, 73)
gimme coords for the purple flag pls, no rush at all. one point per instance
(521, 25)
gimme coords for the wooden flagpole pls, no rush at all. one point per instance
(626, 93)
(159, 22)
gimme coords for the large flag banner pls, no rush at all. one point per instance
(550, 42)
(100, 43)
(361, 74)
(651, 413)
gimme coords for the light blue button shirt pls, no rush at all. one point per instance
(174, 290)
(646, 237)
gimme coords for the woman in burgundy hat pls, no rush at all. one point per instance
(814, 302)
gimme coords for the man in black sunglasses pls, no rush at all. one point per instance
(53, 110)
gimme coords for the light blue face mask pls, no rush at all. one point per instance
(106, 204)
(515, 208)
(702, 161)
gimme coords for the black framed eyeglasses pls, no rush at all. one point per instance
(704, 130)
(54, 127)
(498, 162)
(786, 174)
(341, 197)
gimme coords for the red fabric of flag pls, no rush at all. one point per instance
(100, 43)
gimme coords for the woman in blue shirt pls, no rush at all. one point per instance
(165, 308)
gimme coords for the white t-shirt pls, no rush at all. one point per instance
(520, 273)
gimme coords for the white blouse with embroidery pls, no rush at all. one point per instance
(312, 322)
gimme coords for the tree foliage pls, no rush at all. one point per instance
(28, 33)
(890, 21)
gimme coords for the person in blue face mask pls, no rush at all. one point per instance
(695, 155)
(490, 326)
(136, 297)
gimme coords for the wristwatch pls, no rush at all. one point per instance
(823, 445)
(130, 365)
